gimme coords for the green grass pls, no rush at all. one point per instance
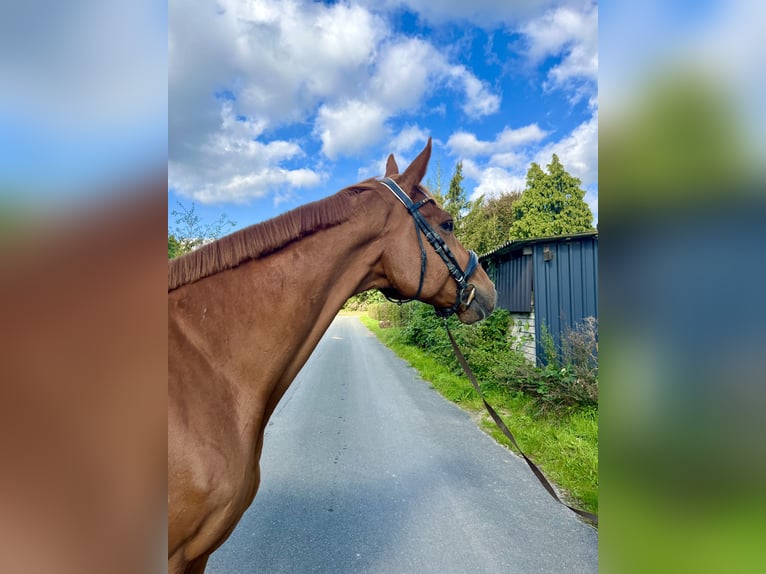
(564, 446)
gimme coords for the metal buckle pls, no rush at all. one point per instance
(467, 295)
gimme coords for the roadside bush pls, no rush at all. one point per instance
(361, 301)
(485, 344)
(568, 380)
(425, 330)
(391, 313)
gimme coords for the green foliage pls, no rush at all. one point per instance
(190, 232)
(485, 344)
(425, 330)
(455, 202)
(550, 352)
(488, 223)
(434, 183)
(568, 379)
(552, 204)
(362, 301)
(174, 247)
(390, 314)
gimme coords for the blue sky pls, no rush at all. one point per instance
(275, 103)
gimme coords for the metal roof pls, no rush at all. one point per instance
(514, 244)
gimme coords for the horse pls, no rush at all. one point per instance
(246, 311)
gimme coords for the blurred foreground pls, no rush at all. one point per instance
(682, 338)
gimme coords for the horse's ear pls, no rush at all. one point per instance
(416, 171)
(391, 167)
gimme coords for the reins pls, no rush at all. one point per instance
(509, 435)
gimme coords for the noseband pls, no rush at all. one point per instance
(465, 291)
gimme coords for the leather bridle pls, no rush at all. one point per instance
(465, 291)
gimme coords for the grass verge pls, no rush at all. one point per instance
(564, 446)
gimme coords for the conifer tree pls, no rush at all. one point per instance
(553, 203)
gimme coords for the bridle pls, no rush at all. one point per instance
(465, 291)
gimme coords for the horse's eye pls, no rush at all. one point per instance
(448, 226)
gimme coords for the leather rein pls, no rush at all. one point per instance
(466, 291)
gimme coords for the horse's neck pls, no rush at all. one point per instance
(261, 320)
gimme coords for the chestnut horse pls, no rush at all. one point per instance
(245, 313)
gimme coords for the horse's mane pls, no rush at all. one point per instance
(264, 238)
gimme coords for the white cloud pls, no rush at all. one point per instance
(507, 159)
(233, 165)
(338, 68)
(464, 144)
(571, 33)
(493, 181)
(350, 127)
(403, 73)
(578, 152)
(510, 138)
(272, 63)
(407, 138)
(410, 68)
(479, 100)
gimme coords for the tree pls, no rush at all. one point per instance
(174, 247)
(455, 202)
(190, 232)
(552, 204)
(488, 223)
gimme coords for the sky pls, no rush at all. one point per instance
(257, 107)
(276, 103)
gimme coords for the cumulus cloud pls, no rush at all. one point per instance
(233, 165)
(407, 138)
(570, 33)
(578, 152)
(409, 68)
(350, 127)
(464, 144)
(479, 100)
(338, 68)
(241, 70)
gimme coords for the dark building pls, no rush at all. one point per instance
(551, 281)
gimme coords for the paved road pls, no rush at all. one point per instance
(366, 469)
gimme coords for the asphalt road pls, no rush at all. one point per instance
(367, 469)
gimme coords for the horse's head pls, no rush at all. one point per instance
(422, 258)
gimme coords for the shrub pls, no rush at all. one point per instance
(569, 379)
(361, 301)
(391, 313)
(425, 330)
